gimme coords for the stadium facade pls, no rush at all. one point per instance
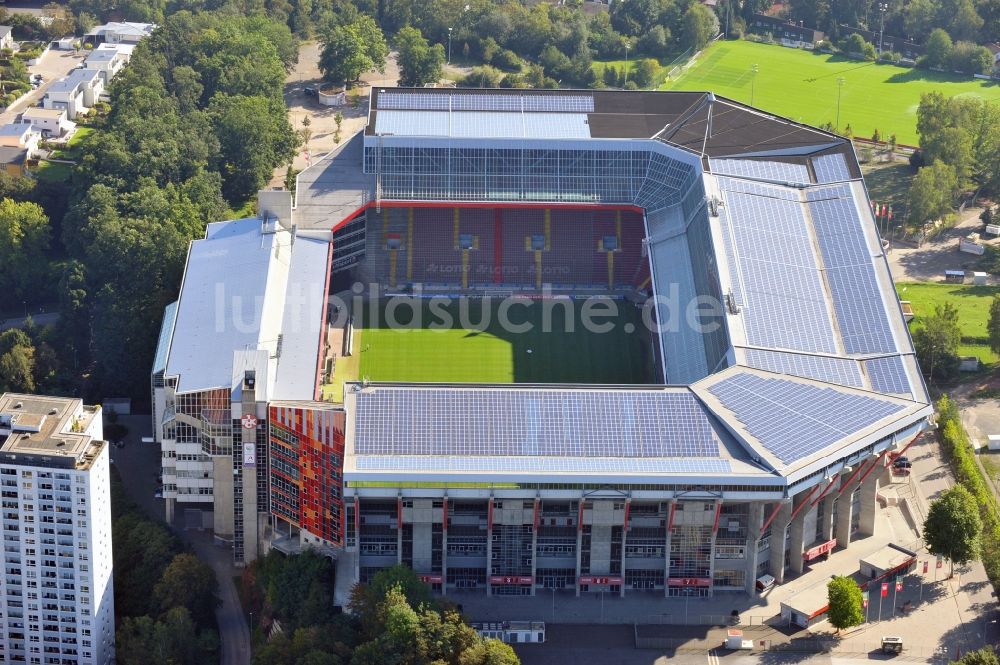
(760, 447)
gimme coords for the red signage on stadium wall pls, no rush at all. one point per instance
(819, 550)
(598, 579)
(507, 580)
(432, 579)
(689, 581)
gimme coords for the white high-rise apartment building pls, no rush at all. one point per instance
(56, 587)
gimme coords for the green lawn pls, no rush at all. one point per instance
(972, 302)
(54, 172)
(453, 353)
(803, 86)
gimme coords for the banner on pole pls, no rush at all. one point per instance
(899, 584)
(940, 562)
(885, 589)
(864, 599)
(926, 566)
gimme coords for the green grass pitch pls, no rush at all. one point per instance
(802, 85)
(486, 353)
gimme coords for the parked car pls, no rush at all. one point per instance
(902, 458)
(311, 91)
(903, 464)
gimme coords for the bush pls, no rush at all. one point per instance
(507, 60)
(890, 57)
(955, 442)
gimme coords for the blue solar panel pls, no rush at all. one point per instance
(857, 298)
(428, 101)
(758, 189)
(778, 283)
(729, 244)
(860, 311)
(547, 423)
(831, 168)
(843, 371)
(888, 375)
(540, 464)
(795, 420)
(761, 170)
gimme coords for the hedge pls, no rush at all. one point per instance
(958, 448)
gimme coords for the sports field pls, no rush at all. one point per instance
(478, 349)
(802, 86)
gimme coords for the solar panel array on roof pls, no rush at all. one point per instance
(888, 375)
(536, 464)
(785, 303)
(843, 371)
(794, 420)
(831, 168)
(548, 423)
(761, 170)
(758, 189)
(857, 298)
(425, 101)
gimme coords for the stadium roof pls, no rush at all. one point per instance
(741, 422)
(251, 298)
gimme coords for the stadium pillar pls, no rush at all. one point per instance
(797, 542)
(628, 508)
(537, 508)
(489, 545)
(671, 505)
(845, 514)
(711, 558)
(444, 546)
(579, 546)
(826, 521)
(399, 529)
(869, 502)
(778, 529)
(755, 519)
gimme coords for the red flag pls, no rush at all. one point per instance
(926, 566)
(885, 589)
(890, 213)
(882, 214)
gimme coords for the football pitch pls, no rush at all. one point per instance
(476, 346)
(802, 86)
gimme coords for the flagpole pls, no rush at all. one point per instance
(895, 588)
(881, 595)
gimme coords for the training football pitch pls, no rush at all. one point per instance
(480, 348)
(802, 85)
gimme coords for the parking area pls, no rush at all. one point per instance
(53, 66)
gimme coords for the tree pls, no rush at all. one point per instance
(932, 192)
(984, 656)
(419, 63)
(483, 76)
(17, 362)
(937, 50)
(936, 342)
(965, 23)
(644, 71)
(353, 49)
(655, 43)
(171, 640)
(250, 121)
(993, 325)
(845, 603)
(700, 25)
(24, 240)
(953, 526)
(489, 652)
(190, 583)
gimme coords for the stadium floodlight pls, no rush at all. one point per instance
(840, 87)
(753, 81)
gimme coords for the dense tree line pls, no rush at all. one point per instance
(165, 598)
(197, 125)
(963, 20)
(393, 619)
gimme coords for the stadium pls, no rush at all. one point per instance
(432, 388)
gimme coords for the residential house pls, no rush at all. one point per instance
(6, 37)
(107, 61)
(53, 123)
(13, 160)
(788, 33)
(995, 52)
(20, 135)
(75, 92)
(119, 33)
